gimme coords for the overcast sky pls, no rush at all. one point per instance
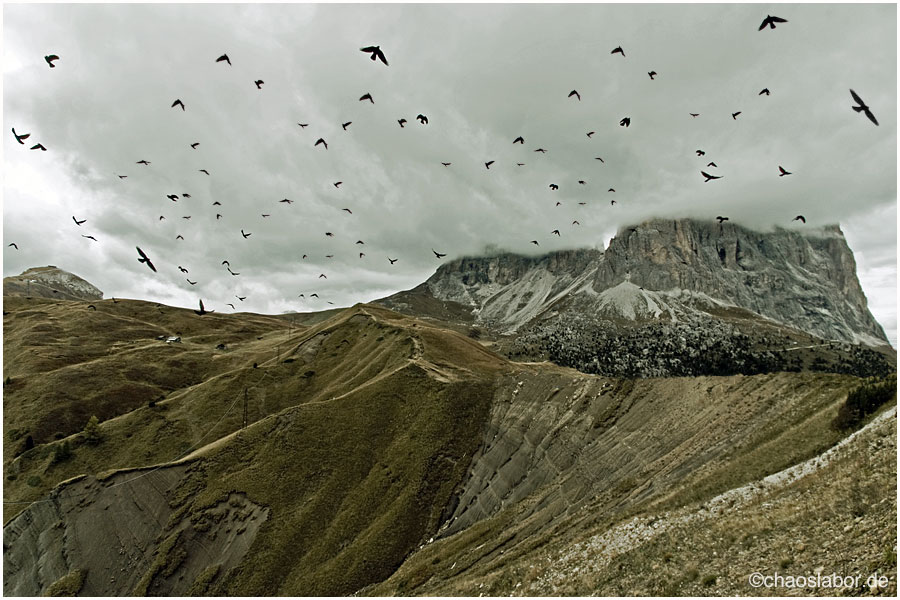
(483, 75)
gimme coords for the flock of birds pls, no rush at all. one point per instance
(377, 54)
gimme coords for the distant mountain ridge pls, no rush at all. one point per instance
(667, 297)
(50, 282)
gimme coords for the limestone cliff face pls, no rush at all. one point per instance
(670, 269)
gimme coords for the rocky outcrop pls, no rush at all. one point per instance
(50, 282)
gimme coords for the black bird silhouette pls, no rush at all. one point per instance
(259, 83)
(764, 91)
(246, 235)
(19, 138)
(286, 201)
(337, 183)
(178, 103)
(321, 141)
(179, 237)
(231, 305)
(799, 218)
(556, 231)
(611, 190)
(346, 125)
(360, 242)
(144, 259)
(783, 172)
(574, 93)
(652, 74)
(313, 295)
(190, 282)
(722, 219)
(16, 247)
(367, 96)
(225, 262)
(401, 121)
(619, 50)
(535, 242)
(392, 260)
(143, 162)
(90, 237)
(348, 210)
(77, 222)
(361, 254)
(172, 197)
(520, 164)
(734, 115)
(446, 164)
(709, 177)
(50, 59)
(625, 122)
(322, 276)
(575, 223)
(218, 216)
(225, 58)
(217, 203)
(712, 164)
(39, 147)
(304, 257)
(121, 176)
(303, 125)
(241, 298)
(600, 159)
(376, 53)
(582, 182)
(553, 186)
(541, 150)
(582, 203)
(695, 115)
(770, 21)
(329, 234)
(488, 164)
(187, 217)
(590, 133)
(422, 119)
(264, 215)
(329, 256)
(194, 145)
(862, 107)
(700, 152)
(438, 254)
(204, 171)
(559, 204)
(161, 217)
(232, 272)
(182, 269)
(519, 140)
(202, 310)
(185, 195)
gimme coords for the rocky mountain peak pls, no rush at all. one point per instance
(50, 282)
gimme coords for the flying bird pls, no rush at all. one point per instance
(77, 222)
(376, 53)
(231, 305)
(360, 242)
(172, 197)
(582, 182)
(575, 223)
(541, 150)
(187, 217)
(190, 282)
(142, 162)
(438, 254)
(700, 152)
(735, 115)
(709, 177)
(402, 122)
(264, 215)
(612, 202)
(619, 50)
(182, 269)
(862, 107)
(770, 21)
(783, 172)
(202, 310)
(712, 164)
(519, 140)
(203, 171)
(185, 195)
(764, 91)
(39, 147)
(16, 247)
(303, 125)
(611, 190)
(520, 164)
(721, 219)
(535, 242)
(241, 298)
(625, 122)
(50, 60)
(367, 96)
(329, 234)
(246, 235)
(361, 254)
(600, 159)
(144, 259)
(194, 145)
(556, 231)
(337, 183)
(346, 125)
(313, 295)
(488, 164)
(446, 164)
(695, 115)
(179, 237)
(348, 210)
(161, 217)
(322, 276)
(232, 272)
(90, 237)
(19, 138)
(178, 103)
(799, 218)
(553, 186)
(422, 119)
(652, 74)
(392, 260)
(121, 176)
(217, 203)
(286, 201)
(225, 58)
(590, 133)
(321, 141)
(259, 83)
(574, 93)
